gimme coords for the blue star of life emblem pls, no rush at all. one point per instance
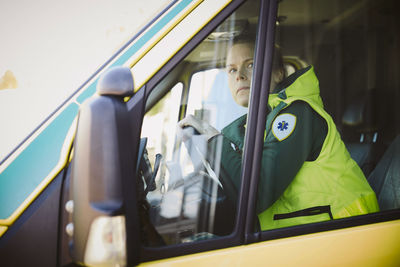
(283, 125)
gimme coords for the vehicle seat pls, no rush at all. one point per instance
(363, 123)
(385, 179)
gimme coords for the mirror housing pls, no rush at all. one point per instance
(101, 165)
(116, 81)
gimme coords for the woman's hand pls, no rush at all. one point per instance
(201, 126)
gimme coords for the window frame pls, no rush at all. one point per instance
(254, 138)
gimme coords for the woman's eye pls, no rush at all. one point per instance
(250, 66)
(231, 71)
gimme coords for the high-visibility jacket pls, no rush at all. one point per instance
(330, 187)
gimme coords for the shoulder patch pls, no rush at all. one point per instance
(283, 126)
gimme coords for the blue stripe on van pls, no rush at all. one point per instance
(35, 163)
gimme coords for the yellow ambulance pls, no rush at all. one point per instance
(115, 178)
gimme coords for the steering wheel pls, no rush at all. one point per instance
(143, 167)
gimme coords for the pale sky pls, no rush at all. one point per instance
(50, 47)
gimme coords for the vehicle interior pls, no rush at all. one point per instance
(354, 48)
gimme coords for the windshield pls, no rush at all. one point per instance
(51, 48)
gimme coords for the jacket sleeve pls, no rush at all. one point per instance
(226, 161)
(281, 160)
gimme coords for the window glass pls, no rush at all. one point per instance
(331, 147)
(218, 103)
(162, 115)
(197, 171)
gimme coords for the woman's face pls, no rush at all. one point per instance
(239, 66)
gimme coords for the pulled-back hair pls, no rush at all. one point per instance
(277, 61)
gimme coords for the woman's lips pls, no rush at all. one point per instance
(242, 88)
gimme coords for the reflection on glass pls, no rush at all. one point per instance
(193, 197)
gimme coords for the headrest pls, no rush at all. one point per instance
(365, 112)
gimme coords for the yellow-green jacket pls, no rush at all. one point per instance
(332, 185)
(307, 175)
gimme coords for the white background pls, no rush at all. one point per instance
(51, 47)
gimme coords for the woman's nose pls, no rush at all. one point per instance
(241, 75)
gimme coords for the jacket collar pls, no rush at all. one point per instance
(235, 131)
(303, 83)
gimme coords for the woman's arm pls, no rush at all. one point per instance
(281, 160)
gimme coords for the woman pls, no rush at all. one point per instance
(307, 175)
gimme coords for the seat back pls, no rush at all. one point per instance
(363, 129)
(385, 179)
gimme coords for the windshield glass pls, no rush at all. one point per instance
(50, 48)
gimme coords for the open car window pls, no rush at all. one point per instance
(331, 146)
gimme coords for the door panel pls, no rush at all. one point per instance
(369, 245)
(35, 232)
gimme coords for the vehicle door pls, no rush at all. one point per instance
(184, 207)
(305, 38)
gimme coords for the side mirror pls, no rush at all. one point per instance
(101, 166)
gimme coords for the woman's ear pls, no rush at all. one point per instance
(277, 76)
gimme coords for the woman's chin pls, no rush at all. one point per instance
(242, 98)
(244, 102)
